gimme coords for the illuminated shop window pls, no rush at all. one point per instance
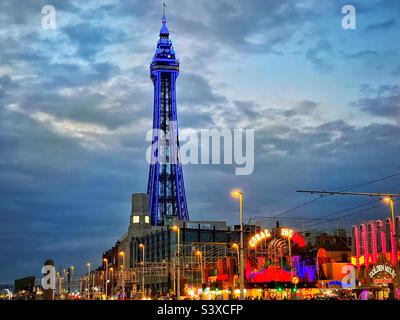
(146, 219)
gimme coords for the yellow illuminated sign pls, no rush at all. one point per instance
(287, 233)
(264, 234)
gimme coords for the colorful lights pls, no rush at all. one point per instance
(365, 243)
(357, 244)
(382, 236)
(373, 239)
(287, 233)
(264, 234)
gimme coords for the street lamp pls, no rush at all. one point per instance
(200, 255)
(112, 281)
(105, 260)
(59, 284)
(236, 247)
(88, 282)
(178, 269)
(72, 268)
(142, 247)
(390, 201)
(122, 254)
(288, 233)
(239, 194)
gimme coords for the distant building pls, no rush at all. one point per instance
(322, 238)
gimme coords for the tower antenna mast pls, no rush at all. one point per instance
(164, 7)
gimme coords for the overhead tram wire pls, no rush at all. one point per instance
(341, 189)
(322, 219)
(351, 214)
(343, 211)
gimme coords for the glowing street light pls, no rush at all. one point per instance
(239, 194)
(88, 282)
(390, 201)
(200, 255)
(288, 233)
(178, 269)
(236, 247)
(105, 260)
(122, 254)
(142, 247)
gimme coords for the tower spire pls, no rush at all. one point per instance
(164, 6)
(164, 29)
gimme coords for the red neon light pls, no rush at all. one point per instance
(383, 236)
(357, 241)
(270, 274)
(374, 246)
(222, 277)
(299, 240)
(393, 257)
(365, 243)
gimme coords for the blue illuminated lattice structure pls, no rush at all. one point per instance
(165, 186)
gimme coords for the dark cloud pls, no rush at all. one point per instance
(396, 72)
(316, 57)
(195, 88)
(363, 54)
(384, 102)
(91, 39)
(387, 24)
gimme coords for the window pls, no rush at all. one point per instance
(146, 219)
(135, 219)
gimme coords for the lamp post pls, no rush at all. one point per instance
(72, 268)
(106, 277)
(142, 247)
(59, 284)
(122, 254)
(200, 255)
(88, 281)
(239, 194)
(236, 247)
(112, 281)
(178, 269)
(288, 233)
(390, 201)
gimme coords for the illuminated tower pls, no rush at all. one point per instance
(165, 186)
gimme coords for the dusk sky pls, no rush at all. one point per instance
(76, 103)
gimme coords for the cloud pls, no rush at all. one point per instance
(387, 24)
(90, 39)
(396, 72)
(383, 102)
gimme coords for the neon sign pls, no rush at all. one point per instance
(287, 233)
(382, 268)
(264, 234)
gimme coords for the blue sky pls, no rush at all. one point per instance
(76, 103)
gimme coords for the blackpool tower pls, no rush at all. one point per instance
(167, 198)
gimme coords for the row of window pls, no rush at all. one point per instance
(136, 219)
